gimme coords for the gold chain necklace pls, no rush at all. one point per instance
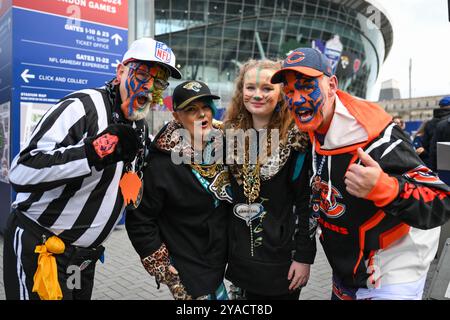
(207, 171)
(250, 175)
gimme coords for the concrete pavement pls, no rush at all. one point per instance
(122, 276)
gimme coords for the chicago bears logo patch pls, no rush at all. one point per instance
(422, 174)
(333, 208)
(295, 57)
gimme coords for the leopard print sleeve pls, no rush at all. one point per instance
(157, 265)
(298, 140)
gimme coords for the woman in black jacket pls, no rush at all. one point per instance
(180, 228)
(270, 245)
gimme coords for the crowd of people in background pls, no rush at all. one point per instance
(430, 132)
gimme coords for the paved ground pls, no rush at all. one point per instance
(122, 277)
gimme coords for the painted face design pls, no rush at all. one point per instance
(259, 95)
(144, 84)
(305, 100)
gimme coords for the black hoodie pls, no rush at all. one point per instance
(280, 234)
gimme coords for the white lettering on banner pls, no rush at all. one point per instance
(70, 62)
(75, 2)
(77, 81)
(63, 79)
(447, 293)
(95, 65)
(116, 2)
(101, 45)
(85, 57)
(102, 60)
(84, 43)
(36, 97)
(46, 78)
(102, 7)
(71, 27)
(86, 61)
(90, 31)
(104, 40)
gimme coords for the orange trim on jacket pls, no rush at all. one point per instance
(390, 236)
(369, 115)
(385, 190)
(369, 224)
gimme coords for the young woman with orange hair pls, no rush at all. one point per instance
(270, 245)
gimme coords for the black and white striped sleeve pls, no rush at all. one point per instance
(55, 153)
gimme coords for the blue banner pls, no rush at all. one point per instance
(67, 55)
(49, 49)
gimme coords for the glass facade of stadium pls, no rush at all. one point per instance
(212, 38)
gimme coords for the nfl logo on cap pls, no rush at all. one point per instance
(162, 52)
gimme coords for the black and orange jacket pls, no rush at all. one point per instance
(383, 237)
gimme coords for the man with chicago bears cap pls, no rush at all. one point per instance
(80, 168)
(377, 206)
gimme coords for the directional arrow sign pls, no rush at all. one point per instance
(25, 76)
(117, 38)
(115, 64)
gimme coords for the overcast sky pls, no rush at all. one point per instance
(421, 32)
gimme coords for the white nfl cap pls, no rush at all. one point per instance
(148, 49)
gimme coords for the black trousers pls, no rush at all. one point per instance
(76, 266)
(294, 295)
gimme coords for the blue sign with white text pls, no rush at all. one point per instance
(48, 49)
(68, 55)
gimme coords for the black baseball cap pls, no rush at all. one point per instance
(189, 91)
(308, 61)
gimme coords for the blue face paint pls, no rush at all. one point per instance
(309, 100)
(142, 80)
(305, 99)
(134, 87)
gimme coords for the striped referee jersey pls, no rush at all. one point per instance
(55, 185)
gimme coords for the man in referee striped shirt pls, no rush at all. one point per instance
(68, 174)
